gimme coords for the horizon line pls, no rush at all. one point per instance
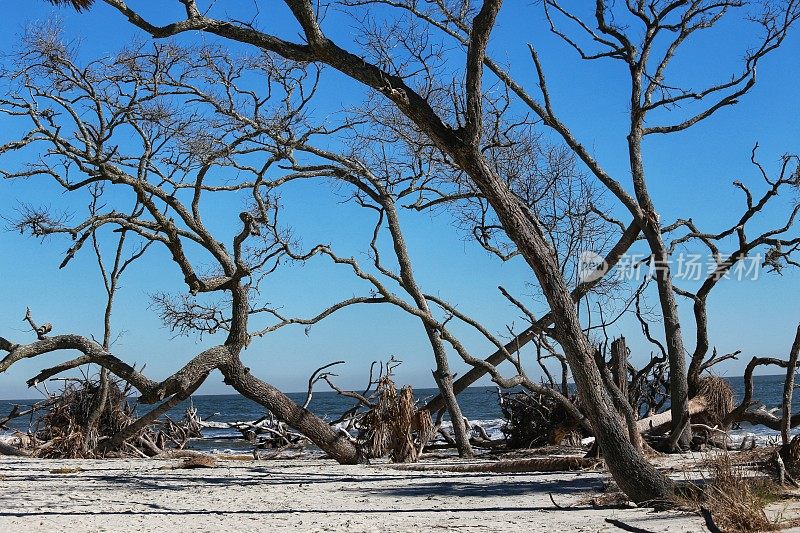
(234, 393)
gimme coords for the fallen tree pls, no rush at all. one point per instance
(60, 430)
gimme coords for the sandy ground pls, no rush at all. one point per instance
(302, 495)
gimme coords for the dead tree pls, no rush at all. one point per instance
(635, 475)
(76, 113)
(613, 33)
(111, 276)
(384, 179)
(471, 28)
(777, 245)
(378, 186)
(761, 416)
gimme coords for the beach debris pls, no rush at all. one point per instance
(266, 432)
(394, 425)
(534, 419)
(733, 499)
(62, 430)
(199, 461)
(70, 428)
(719, 399)
(386, 422)
(534, 464)
(709, 410)
(190, 461)
(66, 470)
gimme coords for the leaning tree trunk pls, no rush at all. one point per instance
(640, 480)
(626, 240)
(442, 375)
(337, 445)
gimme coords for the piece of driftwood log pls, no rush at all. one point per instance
(626, 527)
(199, 461)
(537, 464)
(662, 421)
(6, 449)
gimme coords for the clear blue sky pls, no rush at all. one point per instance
(690, 175)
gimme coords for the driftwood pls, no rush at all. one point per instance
(195, 460)
(63, 430)
(536, 464)
(662, 421)
(534, 419)
(711, 407)
(277, 433)
(6, 449)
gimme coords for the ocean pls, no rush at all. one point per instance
(479, 405)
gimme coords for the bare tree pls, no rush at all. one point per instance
(132, 124)
(777, 245)
(378, 187)
(630, 34)
(111, 275)
(633, 34)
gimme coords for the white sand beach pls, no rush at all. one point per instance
(305, 495)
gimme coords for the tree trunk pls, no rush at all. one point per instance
(619, 365)
(334, 443)
(97, 409)
(702, 344)
(788, 388)
(460, 431)
(442, 375)
(651, 228)
(613, 257)
(617, 385)
(633, 473)
(678, 380)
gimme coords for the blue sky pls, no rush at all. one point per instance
(690, 175)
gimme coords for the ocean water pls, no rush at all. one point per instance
(479, 405)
